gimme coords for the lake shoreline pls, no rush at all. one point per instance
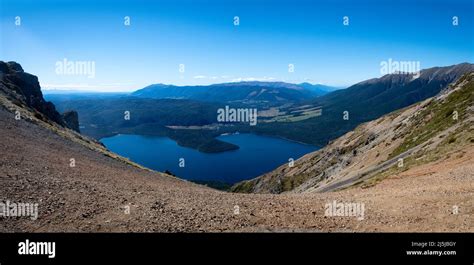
(257, 155)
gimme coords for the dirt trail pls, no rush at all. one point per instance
(368, 173)
(96, 193)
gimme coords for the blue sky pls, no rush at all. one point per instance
(202, 36)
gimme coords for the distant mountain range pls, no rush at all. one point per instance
(240, 91)
(394, 91)
(344, 109)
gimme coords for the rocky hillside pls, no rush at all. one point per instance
(362, 102)
(24, 90)
(431, 130)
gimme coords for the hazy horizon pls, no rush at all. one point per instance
(67, 90)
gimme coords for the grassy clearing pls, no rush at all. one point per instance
(298, 116)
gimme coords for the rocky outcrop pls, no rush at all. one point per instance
(71, 120)
(24, 90)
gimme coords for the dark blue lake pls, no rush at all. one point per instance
(256, 155)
